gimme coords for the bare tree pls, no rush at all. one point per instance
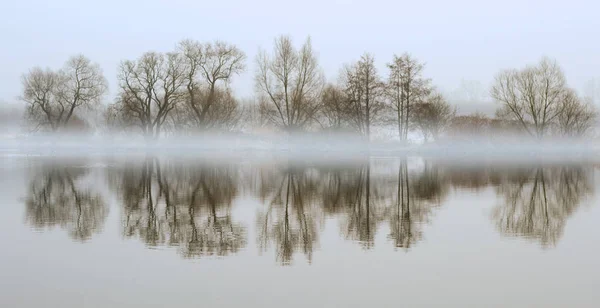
(210, 68)
(290, 84)
(150, 88)
(53, 97)
(405, 87)
(433, 116)
(364, 91)
(473, 125)
(532, 96)
(576, 117)
(334, 108)
(224, 114)
(592, 91)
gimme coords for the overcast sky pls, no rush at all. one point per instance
(459, 39)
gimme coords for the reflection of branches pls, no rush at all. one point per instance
(414, 201)
(538, 206)
(365, 198)
(55, 198)
(181, 206)
(364, 210)
(290, 220)
(402, 229)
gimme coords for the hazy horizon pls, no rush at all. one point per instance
(464, 40)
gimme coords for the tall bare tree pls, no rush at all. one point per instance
(405, 87)
(150, 89)
(290, 83)
(364, 91)
(53, 97)
(532, 96)
(210, 68)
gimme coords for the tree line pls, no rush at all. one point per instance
(189, 90)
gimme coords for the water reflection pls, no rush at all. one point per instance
(290, 220)
(415, 199)
(180, 205)
(537, 202)
(191, 206)
(58, 197)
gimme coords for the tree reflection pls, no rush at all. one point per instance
(364, 210)
(190, 206)
(184, 206)
(56, 197)
(290, 218)
(415, 199)
(537, 203)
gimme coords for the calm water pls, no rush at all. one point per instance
(156, 232)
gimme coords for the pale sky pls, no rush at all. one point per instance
(460, 39)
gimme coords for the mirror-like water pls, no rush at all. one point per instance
(158, 231)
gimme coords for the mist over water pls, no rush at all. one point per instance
(192, 213)
(329, 147)
(416, 154)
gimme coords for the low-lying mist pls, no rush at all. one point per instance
(322, 147)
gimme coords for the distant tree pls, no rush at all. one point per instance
(433, 116)
(537, 97)
(405, 87)
(251, 117)
(576, 117)
(150, 88)
(209, 102)
(592, 91)
(53, 97)
(289, 83)
(334, 108)
(224, 114)
(470, 91)
(469, 125)
(10, 116)
(364, 91)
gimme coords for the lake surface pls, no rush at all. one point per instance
(367, 232)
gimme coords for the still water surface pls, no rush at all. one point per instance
(156, 232)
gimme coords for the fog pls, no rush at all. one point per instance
(300, 148)
(467, 39)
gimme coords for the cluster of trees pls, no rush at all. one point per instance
(189, 89)
(539, 99)
(169, 203)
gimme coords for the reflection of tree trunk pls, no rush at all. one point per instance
(407, 191)
(400, 199)
(545, 199)
(152, 224)
(211, 201)
(194, 235)
(55, 198)
(286, 229)
(402, 222)
(77, 202)
(368, 200)
(532, 201)
(536, 206)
